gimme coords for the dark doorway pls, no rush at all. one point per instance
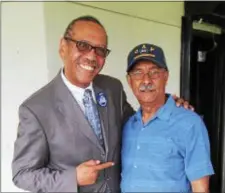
(203, 79)
(206, 88)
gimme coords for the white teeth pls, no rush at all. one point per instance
(87, 67)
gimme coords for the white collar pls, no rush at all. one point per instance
(73, 87)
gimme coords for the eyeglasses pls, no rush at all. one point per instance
(83, 46)
(139, 74)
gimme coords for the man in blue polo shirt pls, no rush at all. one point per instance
(165, 148)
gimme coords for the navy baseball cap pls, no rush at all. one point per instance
(149, 52)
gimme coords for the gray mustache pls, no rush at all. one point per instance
(144, 87)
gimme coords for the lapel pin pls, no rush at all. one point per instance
(101, 99)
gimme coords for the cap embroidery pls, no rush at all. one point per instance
(152, 49)
(152, 55)
(136, 51)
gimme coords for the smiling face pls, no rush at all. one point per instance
(148, 82)
(81, 67)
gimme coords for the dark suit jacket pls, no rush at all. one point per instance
(54, 137)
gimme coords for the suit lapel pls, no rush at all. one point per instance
(68, 107)
(103, 113)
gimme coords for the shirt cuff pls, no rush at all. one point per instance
(200, 173)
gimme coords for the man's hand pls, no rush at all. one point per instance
(87, 172)
(182, 102)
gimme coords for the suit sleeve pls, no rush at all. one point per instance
(127, 110)
(31, 155)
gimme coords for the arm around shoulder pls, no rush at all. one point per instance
(31, 155)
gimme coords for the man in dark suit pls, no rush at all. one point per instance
(69, 134)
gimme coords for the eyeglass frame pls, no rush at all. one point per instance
(89, 45)
(149, 73)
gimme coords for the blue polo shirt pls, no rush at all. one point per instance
(166, 153)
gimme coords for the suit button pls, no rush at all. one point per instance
(103, 155)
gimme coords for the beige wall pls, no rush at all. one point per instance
(164, 12)
(24, 70)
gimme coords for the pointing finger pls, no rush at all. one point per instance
(103, 166)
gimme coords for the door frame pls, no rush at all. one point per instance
(223, 116)
(186, 38)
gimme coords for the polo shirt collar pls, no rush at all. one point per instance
(163, 113)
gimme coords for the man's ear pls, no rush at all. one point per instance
(166, 76)
(63, 48)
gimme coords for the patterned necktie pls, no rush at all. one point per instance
(92, 115)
